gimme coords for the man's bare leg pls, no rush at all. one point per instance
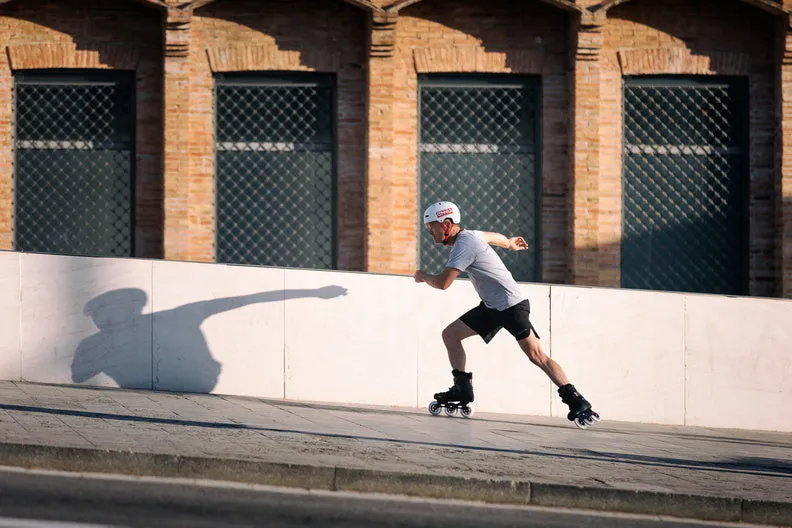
(453, 335)
(533, 349)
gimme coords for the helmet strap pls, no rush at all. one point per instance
(446, 231)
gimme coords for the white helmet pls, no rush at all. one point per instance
(439, 211)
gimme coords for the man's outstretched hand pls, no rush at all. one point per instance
(517, 243)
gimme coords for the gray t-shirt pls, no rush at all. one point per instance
(490, 277)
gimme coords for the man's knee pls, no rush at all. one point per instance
(449, 335)
(453, 333)
(533, 350)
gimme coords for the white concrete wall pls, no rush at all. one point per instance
(623, 350)
(10, 353)
(738, 358)
(218, 329)
(61, 342)
(375, 339)
(352, 347)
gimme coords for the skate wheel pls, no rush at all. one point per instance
(580, 423)
(466, 411)
(450, 410)
(595, 416)
(434, 408)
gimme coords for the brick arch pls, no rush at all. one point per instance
(766, 5)
(66, 55)
(157, 4)
(87, 55)
(682, 61)
(366, 5)
(566, 5)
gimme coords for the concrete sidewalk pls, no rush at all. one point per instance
(727, 475)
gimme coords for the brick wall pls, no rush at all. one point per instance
(97, 34)
(707, 37)
(783, 158)
(299, 35)
(581, 59)
(497, 37)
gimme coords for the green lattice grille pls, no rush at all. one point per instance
(275, 171)
(74, 162)
(479, 149)
(685, 174)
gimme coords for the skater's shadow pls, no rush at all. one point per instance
(164, 350)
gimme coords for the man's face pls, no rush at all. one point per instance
(436, 231)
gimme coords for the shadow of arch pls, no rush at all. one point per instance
(123, 347)
(366, 5)
(499, 36)
(768, 6)
(97, 25)
(756, 28)
(566, 5)
(156, 4)
(337, 32)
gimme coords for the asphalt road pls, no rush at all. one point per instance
(49, 499)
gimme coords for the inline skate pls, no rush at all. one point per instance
(459, 396)
(580, 410)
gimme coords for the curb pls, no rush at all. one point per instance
(501, 491)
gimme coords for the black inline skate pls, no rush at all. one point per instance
(456, 397)
(580, 410)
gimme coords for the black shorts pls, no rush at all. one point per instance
(486, 322)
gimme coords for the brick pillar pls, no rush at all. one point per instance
(585, 148)
(6, 155)
(784, 176)
(176, 101)
(379, 243)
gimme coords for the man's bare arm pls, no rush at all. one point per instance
(441, 282)
(496, 239)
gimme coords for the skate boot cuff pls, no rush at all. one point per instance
(459, 373)
(566, 389)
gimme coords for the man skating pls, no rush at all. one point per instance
(502, 306)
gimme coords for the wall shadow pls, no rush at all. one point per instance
(318, 30)
(500, 25)
(751, 28)
(125, 346)
(686, 250)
